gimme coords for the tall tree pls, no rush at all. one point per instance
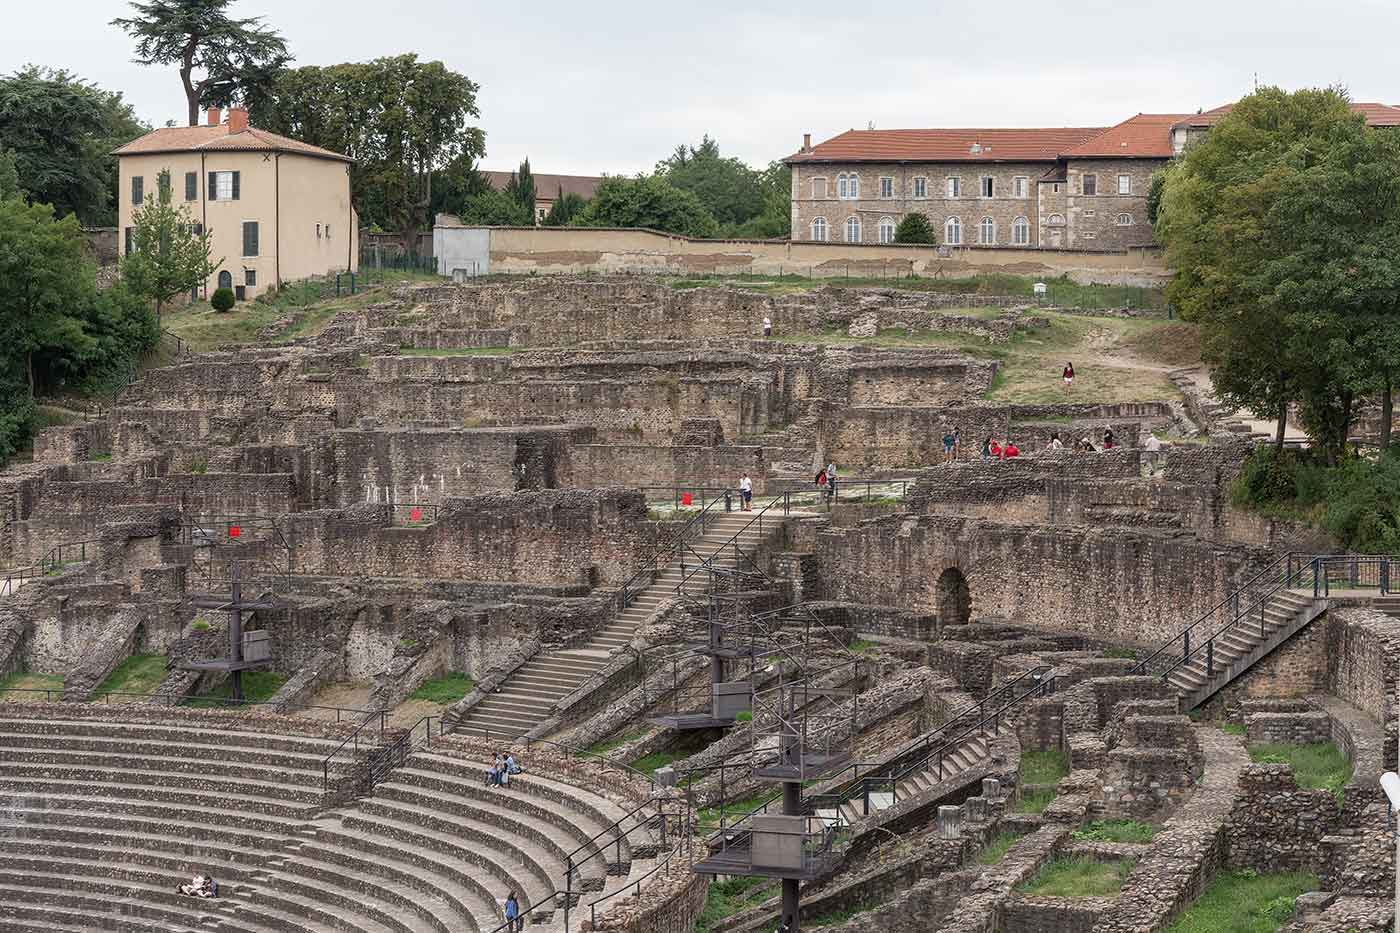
(9, 176)
(647, 201)
(62, 130)
(402, 120)
(199, 35)
(168, 258)
(565, 208)
(492, 208)
(521, 189)
(915, 228)
(728, 189)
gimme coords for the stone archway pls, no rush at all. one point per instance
(954, 598)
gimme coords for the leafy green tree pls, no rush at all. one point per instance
(46, 286)
(521, 189)
(168, 258)
(915, 228)
(1154, 195)
(647, 201)
(565, 208)
(62, 131)
(9, 176)
(728, 189)
(403, 121)
(453, 184)
(494, 208)
(1277, 225)
(199, 35)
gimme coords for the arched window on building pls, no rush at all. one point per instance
(952, 232)
(1125, 220)
(819, 233)
(1020, 231)
(1056, 220)
(852, 229)
(987, 232)
(886, 229)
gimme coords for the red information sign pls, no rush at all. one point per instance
(234, 531)
(415, 515)
(685, 498)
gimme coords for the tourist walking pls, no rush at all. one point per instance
(1108, 439)
(512, 912)
(1068, 375)
(949, 441)
(830, 482)
(987, 449)
(746, 492)
(767, 326)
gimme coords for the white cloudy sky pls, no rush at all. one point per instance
(612, 86)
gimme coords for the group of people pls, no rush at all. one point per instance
(992, 449)
(826, 481)
(199, 886)
(502, 770)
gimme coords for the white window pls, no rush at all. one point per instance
(886, 230)
(1056, 220)
(848, 187)
(852, 229)
(841, 186)
(318, 231)
(954, 187)
(819, 189)
(1125, 184)
(1020, 231)
(223, 186)
(952, 232)
(989, 186)
(987, 232)
(1089, 185)
(819, 229)
(1020, 186)
(886, 186)
(921, 187)
(1125, 220)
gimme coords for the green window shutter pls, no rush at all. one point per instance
(191, 186)
(235, 185)
(250, 238)
(138, 185)
(213, 188)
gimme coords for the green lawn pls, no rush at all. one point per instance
(733, 810)
(1232, 728)
(258, 687)
(1078, 877)
(1244, 902)
(1116, 831)
(449, 688)
(23, 681)
(140, 673)
(724, 899)
(1322, 766)
(997, 847)
(1043, 767)
(1035, 801)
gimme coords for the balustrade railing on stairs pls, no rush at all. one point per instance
(53, 560)
(662, 555)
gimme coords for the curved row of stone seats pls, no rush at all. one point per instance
(108, 809)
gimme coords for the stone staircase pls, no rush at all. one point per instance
(1236, 648)
(965, 756)
(527, 697)
(100, 819)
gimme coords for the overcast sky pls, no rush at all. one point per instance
(593, 88)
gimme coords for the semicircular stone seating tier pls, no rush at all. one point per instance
(100, 820)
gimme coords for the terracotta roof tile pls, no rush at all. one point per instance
(948, 145)
(219, 139)
(547, 186)
(1376, 115)
(1145, 136)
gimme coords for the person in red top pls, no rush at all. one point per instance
(995, 450)
(1010, 450)
(1068, 374)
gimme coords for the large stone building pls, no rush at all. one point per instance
(1062, 188)
(276, 209)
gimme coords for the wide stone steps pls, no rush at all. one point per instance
(964, 757)
(118, 775)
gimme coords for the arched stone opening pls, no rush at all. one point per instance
(954, 598)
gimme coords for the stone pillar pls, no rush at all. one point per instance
(976, 808)
(950, 822)
(991, 788)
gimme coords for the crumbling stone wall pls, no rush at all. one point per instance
(1275, 825)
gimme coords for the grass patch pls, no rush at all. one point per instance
(258, 687)
(1232, 728)
(1043, 767)
(1116, 831)
(649, 763)
(1175, 343)
(140, 673)
(602, 748)
(23, 681)
(997, 847)
(861, 646)
(313, 302)
(1128, 654)
(449, 688)
(1244, 902)
(724, 899)
(1319, 767)
(709, 817)
(1035, 801)
(1078, 877)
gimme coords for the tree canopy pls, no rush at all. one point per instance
(521, 189)
(743, 201)
(646, 201)
(404, 122)
(492, 208)
(915, 228)
(232, 55)
(1283, 228)
(61, 131)
(168, 258)
(565, 208)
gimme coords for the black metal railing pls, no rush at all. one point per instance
(662, 555)
(53, 560)
(782, 501)
(368, 734)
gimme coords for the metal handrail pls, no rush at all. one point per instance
(51, 560)
(705, 562)
(352, 737)
(650, 565)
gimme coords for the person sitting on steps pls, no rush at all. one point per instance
(201, 886)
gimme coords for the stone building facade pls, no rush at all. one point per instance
(1061, 188)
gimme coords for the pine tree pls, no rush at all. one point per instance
(521, 189)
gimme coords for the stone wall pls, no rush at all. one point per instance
(1276, 826)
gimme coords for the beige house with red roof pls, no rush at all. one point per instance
(1061, 188)
(277, 210)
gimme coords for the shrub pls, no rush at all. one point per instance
(1363, 505)
(222, 299)
(915, 228)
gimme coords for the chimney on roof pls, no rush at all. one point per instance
(237, 119)
(806, 142)
(214, 116)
